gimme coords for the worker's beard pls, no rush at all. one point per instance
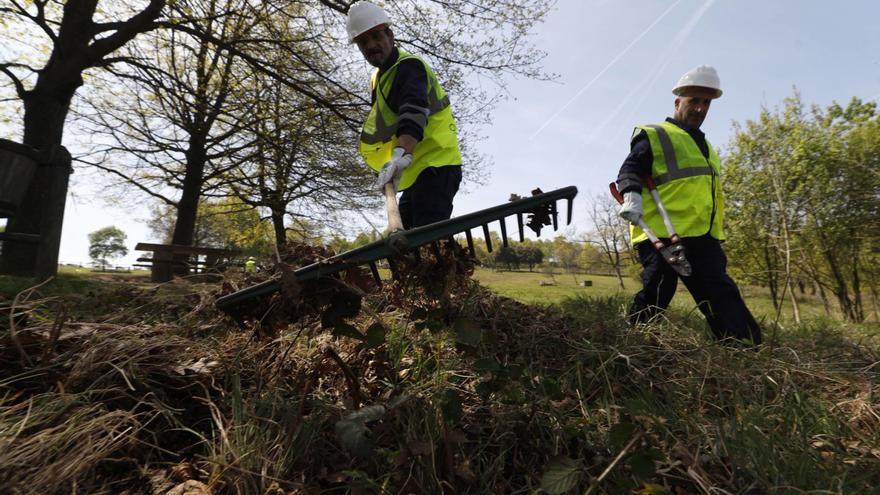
(694, 120)
(376, 58)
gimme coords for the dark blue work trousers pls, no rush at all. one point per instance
(429, 199)
(715, 293)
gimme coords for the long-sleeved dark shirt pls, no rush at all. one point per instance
(409, 88)
(640, 159)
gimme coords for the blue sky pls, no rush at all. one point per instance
(761, 49)
(617, 61)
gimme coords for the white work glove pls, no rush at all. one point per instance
(392, 170)
(631, 209)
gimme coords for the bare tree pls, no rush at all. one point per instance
(174, 121)
(610, 233)
(302, 165)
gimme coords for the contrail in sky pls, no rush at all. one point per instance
(613, 61)
(658, 69)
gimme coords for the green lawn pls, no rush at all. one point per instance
(522, 286)
(73, 280)
(525, 286)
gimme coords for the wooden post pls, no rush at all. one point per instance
(21, 258)
(162, 260)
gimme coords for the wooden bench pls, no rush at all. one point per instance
(169, 259)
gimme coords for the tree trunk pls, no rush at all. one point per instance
(771, 278)
(278, 226)
(188, 206)
(858, 307)
(786, 239)
(840, 290)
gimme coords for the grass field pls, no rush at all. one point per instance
(526, 287)
(522, 286)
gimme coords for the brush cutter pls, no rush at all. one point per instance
(673, 252)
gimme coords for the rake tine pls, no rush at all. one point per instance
(436, 248)
(488, 239)
(470, 243)
(393, 266)
(238, 318)
(519, 223)
(531, 212)
(570, 202)
(375, 270)
(503, 231)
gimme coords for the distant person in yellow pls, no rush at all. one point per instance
(250, 266)
(409, 136)
(687, 174)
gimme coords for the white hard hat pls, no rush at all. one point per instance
(704, 76)
(363, 16)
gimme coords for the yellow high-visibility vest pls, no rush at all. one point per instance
(438, 147)
(689, 185)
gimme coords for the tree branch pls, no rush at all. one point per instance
(140, 23)
(39, 19)
(19, 86)
(340, 6)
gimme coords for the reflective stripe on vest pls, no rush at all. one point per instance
(439, 145)
(687, 182)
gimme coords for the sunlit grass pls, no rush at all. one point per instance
(526, 287)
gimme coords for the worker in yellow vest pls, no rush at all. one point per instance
(250, 266)
(409, 136)
(687, 174)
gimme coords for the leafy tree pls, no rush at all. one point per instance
(482, 250)
(803, 202)
(592, 259)
(227, 224)
(341, 244)
(610, 235)
(565, 253)
(507, 255)
(107, 243)
(530, 255)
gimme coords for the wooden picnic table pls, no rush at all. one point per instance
(169, 259)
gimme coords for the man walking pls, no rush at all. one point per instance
(686, 171)
(409, 136)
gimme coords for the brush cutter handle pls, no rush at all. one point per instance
(641, 223)
(667, 221)
(614, 192)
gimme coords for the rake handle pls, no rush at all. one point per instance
(391, 208)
